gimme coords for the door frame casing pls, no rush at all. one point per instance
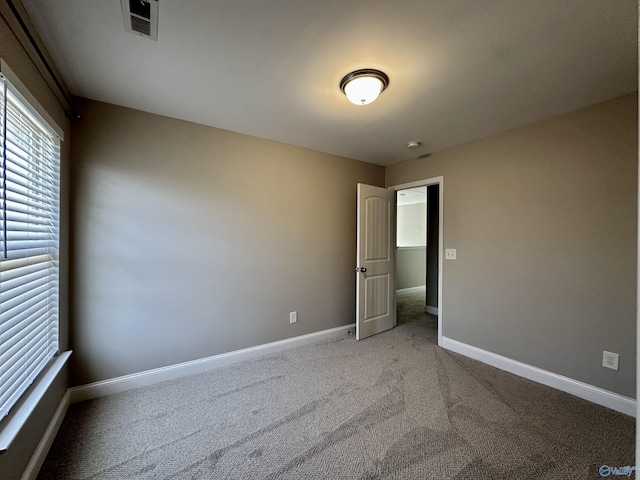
(426, 183)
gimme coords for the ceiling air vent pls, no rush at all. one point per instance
(141, 17)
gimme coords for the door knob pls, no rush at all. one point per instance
(361, 269)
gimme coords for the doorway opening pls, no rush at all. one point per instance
(418, 254)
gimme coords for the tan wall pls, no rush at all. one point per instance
(411, 267)
(193, 241)
(543, 218)
(14, 461)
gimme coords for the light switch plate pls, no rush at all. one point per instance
(450, 253)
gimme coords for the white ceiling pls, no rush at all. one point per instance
(459, 69)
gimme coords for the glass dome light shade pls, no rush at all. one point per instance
(363, 90)
(363, 86)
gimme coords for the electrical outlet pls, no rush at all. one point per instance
(610, 360)
(450, 254)
(293, 317)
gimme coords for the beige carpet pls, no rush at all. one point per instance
(394, 406)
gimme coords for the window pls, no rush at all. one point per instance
(29, 209)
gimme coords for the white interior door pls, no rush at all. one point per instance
(375, 289)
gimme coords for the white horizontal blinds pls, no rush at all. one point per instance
(30, 154)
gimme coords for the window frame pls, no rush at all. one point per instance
(40, 384)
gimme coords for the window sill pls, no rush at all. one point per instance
(10, 426)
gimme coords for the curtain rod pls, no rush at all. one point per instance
(71, 111)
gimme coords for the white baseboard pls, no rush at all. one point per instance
(597, 395)
(38, 457)
(431, 310)
(420, 288)
(149, 377)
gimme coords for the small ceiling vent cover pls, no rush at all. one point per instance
(141, 17)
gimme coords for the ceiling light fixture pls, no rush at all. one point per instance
(363, 86)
